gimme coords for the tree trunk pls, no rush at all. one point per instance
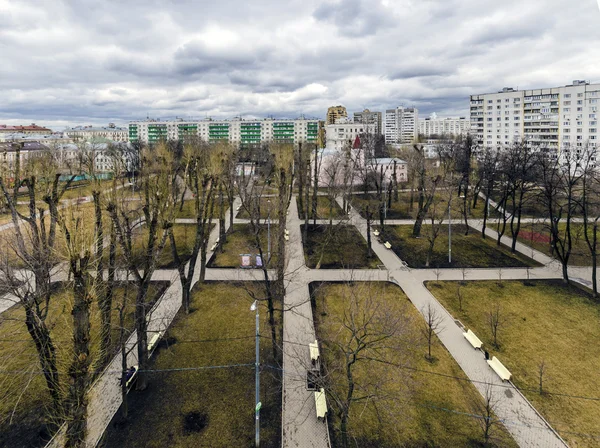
(141, 329)
(369, 247)
(46, 351)
(79, 371)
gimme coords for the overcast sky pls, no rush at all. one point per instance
(99, 61)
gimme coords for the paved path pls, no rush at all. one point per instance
(524, 423)
(300, 427)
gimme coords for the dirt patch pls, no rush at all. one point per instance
(195, 422)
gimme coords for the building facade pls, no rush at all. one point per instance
(32, 129)
(401, 125)
(112, 132)
(335, 113)
(434, 126)
(343, 133)
(242, 132)
(368, 117)
(555, 117)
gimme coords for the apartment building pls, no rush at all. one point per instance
(368, 117)
(236, 131)
(343, 133)
(112, 132)
(334, 113)
(434, 126)
(401, 125)
(555, 117)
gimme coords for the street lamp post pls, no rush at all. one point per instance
(269, 232)
(254, 307)
(449, 232)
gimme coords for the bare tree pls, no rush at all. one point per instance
(541, 373)
(433, 321)
(156, 178)
(485, 410)
(369, 334)
(496, 320)
(590, 207)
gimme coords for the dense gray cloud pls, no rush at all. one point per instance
(91, 61)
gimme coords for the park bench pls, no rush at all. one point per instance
(387, 245)
(499, 368)
(473, 340)
(153, 342)
(238, 208)
(314, 353)
(286, 237)
(376, 232)
(287, 232)
(214, 246)
(321, 404)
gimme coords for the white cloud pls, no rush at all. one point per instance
(98, 61)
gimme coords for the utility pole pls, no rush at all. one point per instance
(254, 307)
(269, 233)
(449, 232)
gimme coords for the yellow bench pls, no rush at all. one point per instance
(473, 340)
(321, 404)
(499, 368)
(153, 342)
(387, 245)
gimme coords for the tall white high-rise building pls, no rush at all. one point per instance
(552, 117)
(401, 125)
(434, 126)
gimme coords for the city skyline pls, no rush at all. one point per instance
(96, 63)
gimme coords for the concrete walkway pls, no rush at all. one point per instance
(300, 427)
(524, 423)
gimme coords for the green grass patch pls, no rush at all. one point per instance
(468, 251)
(326, 208)
(411, 408)
(241, 240)
(545, 321)
(269, 206)
(402, 209)
(188, 210)
(337, 247)
(207, 407)
(24, 419)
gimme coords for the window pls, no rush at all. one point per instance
(566, 130)
(567, 95)
(580, 109)
(580, 95)
(567, 109)
(566, 103)
(592, 130)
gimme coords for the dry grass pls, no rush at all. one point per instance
(218, 332)
(342, 247)
(549, 322)
(469, 251)
(413, 408)
(23, 418)
(241, 241)
(326, 208)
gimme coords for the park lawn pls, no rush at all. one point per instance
(220, 331)
(470, 251)
(537, 236)
(339, 246)
(415, 408)
(185, 235)
(533, 205)
(547, 321)
(189, 209)
(269, 206)
(324, 204)
(240, 240)
(29, 425)
(401, 208)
